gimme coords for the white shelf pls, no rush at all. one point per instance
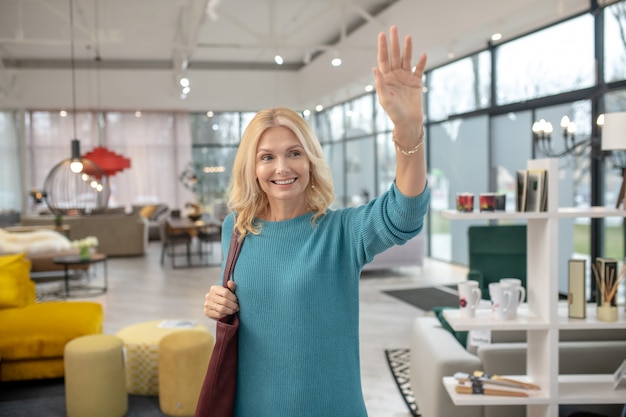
(543, 316)
(589, 389)
(492, 215)
(526, 320)
(535, 397)
(573, 389)
(485, 320)
(566, 212)
(591, 320)
(595, 212)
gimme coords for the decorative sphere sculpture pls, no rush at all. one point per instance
(76, 186)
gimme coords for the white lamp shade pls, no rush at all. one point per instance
(614, 131)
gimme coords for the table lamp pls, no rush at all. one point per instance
(614, 139)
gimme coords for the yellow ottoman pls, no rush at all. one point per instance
(183, 361)
(141, 345)
(94, 377)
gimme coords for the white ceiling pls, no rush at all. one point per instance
(129, 53)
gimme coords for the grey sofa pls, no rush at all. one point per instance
(436, 353)
(118, 234)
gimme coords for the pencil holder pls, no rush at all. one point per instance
(607, 312)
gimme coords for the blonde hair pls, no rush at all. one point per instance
(246, 198)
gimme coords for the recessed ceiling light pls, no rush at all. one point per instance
(496, 36)
(279, 60)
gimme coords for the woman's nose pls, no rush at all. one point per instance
(282, 166)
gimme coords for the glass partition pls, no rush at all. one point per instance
(218, 128)
(359, 116)
(359, 170)
(459, 163)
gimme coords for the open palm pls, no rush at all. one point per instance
(399, 88)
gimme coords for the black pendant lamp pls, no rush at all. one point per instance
(76, 185)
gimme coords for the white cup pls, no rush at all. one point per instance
(469, 297)
(519, 294)
(501, 298)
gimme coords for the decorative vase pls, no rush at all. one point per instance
(84, 252)
(607, 312)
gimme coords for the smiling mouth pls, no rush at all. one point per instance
(284, 182)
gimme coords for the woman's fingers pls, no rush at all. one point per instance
(407, 53)
(394, 42)
(220, 301)
(383, 53)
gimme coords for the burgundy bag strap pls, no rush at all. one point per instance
(233, 253)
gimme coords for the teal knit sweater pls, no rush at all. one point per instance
(298, 291)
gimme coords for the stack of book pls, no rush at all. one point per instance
(532, 190)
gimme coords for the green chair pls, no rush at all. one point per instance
(496, 252)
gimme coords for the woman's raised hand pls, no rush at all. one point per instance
(399, 87)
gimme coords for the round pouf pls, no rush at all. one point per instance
(183, 361)
(94, 377)
(141, 346)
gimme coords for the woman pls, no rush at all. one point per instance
(297, 276)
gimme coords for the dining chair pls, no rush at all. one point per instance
(170, 239)
(208, 235)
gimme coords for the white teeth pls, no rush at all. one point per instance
(285, 182)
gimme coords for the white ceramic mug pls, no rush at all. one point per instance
(501, 300)
(469, 297)
(519, 294)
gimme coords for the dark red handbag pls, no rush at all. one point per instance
(217, 397)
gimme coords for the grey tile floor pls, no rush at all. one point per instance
(140, 289)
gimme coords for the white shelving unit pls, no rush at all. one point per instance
(542, 316)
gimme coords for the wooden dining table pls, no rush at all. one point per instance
(191, 226)
(207, 225)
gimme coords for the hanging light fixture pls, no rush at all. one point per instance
(76, 185)
(571, 145)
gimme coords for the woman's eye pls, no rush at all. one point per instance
(266, 157)
(294, 154)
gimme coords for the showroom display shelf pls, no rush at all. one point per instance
(543, 316)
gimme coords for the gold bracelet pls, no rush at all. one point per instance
(420, 142)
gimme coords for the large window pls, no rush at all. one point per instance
(156, 143)
(554, 60)
(10, 184)
(460, 87)
(615, 42)
(512, 148)
(614, 228)
(215, 138)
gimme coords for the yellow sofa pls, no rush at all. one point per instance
(33, 335)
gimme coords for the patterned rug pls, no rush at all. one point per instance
(398, 360)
